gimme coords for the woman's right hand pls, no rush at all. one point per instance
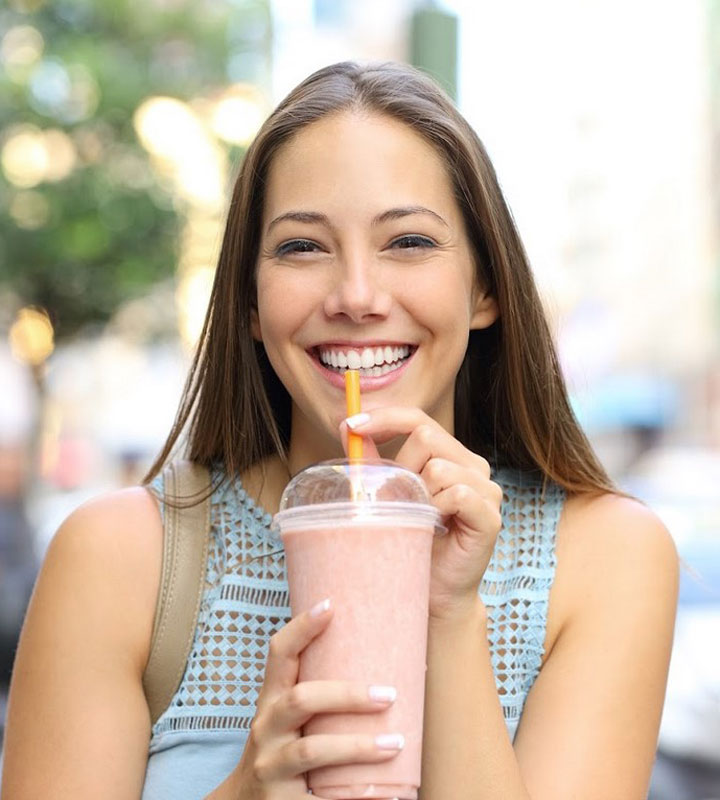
(276, 755)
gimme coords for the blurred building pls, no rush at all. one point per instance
(309, 34)
(597, 116)
(713, 50)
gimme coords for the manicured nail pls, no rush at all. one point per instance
(320, 608)
(390, 741)
(357, 420)
(382, 694)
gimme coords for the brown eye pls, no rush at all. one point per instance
(296, 246)
(412, 242)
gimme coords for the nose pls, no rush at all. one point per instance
(357, 292)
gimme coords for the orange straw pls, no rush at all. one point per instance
(352, 400)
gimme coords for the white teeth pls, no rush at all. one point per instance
(370, 361)
(367, 358)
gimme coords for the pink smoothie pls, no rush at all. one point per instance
(377, 575)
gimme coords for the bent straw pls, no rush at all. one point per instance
(352, 402)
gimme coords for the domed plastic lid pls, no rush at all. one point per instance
(355, 491)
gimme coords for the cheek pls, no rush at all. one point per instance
(273, 313)
(283, 309)
(443, 305)
(289, 295)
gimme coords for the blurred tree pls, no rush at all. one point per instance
(85, 222)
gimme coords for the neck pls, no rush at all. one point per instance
(310, 443)
(265, 481)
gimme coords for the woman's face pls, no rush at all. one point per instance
(364, 262)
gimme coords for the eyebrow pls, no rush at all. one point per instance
(316, 217)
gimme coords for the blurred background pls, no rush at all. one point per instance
(122, 124)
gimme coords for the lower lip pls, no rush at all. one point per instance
(367, 383)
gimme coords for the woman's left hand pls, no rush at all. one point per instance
(461, 489)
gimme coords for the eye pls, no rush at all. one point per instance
(411, 242)
(296, 246)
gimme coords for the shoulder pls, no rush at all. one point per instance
(125, 524)
(614, 556)
(109, 552)
(137, 503)
(613, 532)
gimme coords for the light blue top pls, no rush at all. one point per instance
(200, 737)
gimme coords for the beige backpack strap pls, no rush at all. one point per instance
(185, 554)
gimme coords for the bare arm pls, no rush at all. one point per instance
(596, 706)
(590, 724)
(467, 753)
(78, 724)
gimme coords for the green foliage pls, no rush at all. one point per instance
(81, 245)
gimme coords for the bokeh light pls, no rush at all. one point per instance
(238, 115)
(31, 156)
(89, 144)
(21, 47)
(167, 127)
(30, 210)
(183, 148)
(69, 93)
(24, 158)
(61, 154)
(31, 336)
(192, 298)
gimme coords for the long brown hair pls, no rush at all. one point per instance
(511, 403)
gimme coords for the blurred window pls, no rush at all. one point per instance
(330, 12)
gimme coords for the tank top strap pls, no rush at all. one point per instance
(244, 602)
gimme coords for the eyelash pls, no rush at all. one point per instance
(304, 245)
(417, 242)
(294, 247)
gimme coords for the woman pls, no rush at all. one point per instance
(366, 220)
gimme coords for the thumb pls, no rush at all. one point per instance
(369, 449)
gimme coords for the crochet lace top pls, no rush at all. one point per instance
(199, 739)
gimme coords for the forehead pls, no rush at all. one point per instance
(365, 158)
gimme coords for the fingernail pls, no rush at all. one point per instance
(382, 694)
(320, 608)
(357, 420)
(390, 741)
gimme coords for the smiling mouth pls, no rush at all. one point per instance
(370, 362)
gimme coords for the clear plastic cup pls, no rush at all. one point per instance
(361, 533)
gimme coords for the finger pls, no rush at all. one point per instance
(431, 441)
(439, 474)
(282, 665)
(307, 698)
(369, 448)
(477, 519)
(384, 424)
(426, 438)
(311, 752)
